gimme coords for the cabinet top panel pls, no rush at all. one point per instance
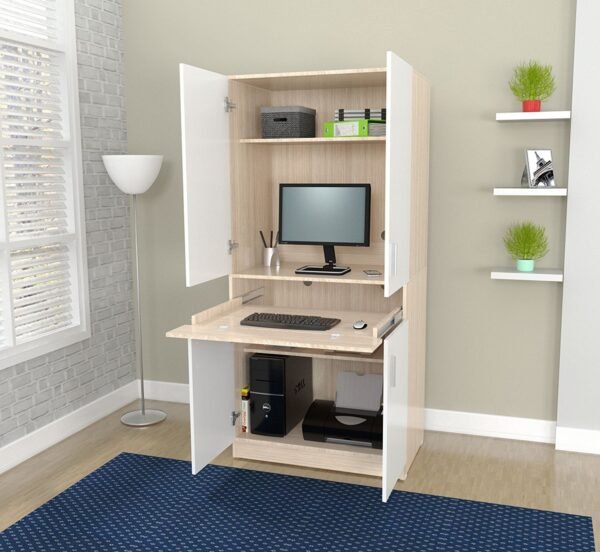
(307, 80)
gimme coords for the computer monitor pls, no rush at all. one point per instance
(327, 215)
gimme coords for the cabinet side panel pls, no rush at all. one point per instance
(251, 191)
(416, 314)
(241, 379)
(419, 196)
(416, 292)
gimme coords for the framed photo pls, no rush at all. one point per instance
(539, 169)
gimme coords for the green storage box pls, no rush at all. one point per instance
(351, 129)
(346, 129)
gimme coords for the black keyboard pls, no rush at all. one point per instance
(289, 321)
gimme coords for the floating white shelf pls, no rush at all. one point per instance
(538, 275)
(533, 116)
(552, 192)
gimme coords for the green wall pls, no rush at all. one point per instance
(492, 346)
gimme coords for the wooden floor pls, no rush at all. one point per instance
(491, 470)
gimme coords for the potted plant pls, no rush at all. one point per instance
(532, 83)
(526, 243)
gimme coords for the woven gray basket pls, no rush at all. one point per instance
(287, 122)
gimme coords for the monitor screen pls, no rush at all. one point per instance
(324, 214)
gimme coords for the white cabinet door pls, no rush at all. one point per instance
(211, 375)
(395, 407)
(398, 160)
(205, 156)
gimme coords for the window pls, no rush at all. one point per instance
(43, 269)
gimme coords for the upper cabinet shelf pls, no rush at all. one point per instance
(287, 272)
(531, 192)
(316, 80)
(316, 140)
(533, 116)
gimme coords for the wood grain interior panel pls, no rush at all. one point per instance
(325, 374)
(339, 163)
(375, 358)
(338, 78)
(319, 295)
(251, 188)
(294, 450)
(332, 297)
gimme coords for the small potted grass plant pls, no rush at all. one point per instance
(526, 243)
(532, 83)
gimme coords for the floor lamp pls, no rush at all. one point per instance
(133, 175)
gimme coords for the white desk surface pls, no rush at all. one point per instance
(343, 337)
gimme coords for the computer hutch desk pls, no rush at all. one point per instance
(230, 179)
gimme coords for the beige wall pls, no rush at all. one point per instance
(492, 346)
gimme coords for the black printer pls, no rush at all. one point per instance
(326, 422)
(354, 418)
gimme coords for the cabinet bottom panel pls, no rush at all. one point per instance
(294, 450)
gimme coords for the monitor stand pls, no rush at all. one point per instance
(329, 269)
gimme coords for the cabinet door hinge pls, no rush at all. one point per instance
(234, 416)
(229, 104)
(231, 245)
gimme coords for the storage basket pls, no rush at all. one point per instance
(287, 122)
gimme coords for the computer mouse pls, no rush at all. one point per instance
(359, 325)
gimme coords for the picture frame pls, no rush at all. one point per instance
(539, 169)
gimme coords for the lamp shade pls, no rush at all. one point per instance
(133, 174)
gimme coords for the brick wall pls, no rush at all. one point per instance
(34, 393)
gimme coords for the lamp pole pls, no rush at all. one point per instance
(134, 174)
(143, 417)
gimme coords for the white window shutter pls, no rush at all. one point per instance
(2, 327)
(29, 18)
(30, 92)
(41, 287)
(43, 280)
(35, 191)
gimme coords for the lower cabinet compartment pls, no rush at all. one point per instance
(294, 450)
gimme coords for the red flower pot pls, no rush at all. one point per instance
(532, 105)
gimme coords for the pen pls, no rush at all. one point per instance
(262, 237)
(271, 239)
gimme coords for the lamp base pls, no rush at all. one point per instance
(138, 419)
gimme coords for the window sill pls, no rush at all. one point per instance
(42, 346)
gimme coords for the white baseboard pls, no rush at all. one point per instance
(448, 421)
(489, 425)
(167, 391)
(35, 442)
(578, 440)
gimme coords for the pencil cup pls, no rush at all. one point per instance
(271, 257)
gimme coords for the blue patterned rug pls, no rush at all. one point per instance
(146, 503)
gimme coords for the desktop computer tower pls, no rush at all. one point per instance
(281, 391)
